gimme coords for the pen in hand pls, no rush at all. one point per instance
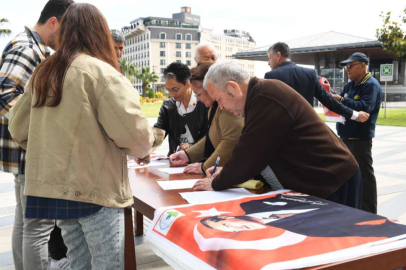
(215, 165)
(177, 149)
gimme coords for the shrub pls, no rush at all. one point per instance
(150, 92)
(159, 95)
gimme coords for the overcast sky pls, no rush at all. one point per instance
(267, 21)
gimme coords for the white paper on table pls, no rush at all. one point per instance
(213, 196)
(173, 170)
(177, 184)
(131, 164)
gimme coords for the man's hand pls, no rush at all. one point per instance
(179, 158)
(203, 184)
(209, 172)
(143, 161)
(195, 168)
(362, 117)
(338, 97)
(184, 146)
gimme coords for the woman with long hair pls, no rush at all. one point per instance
(78, 119)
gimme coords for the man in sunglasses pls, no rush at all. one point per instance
(362, 93)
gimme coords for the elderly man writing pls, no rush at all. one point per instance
(304, 153)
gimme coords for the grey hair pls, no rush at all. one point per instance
(202, 44)
(117, 35)
(281, 47)
(221, 73)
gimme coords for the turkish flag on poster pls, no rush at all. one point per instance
(330, 115)
(285, 230)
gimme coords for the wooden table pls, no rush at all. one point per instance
(149, 196)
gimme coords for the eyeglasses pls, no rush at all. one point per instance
(347, 67)
(198, 94)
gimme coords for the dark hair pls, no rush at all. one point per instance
(72, 39)
(206, 221)
(200, 71)
(281, 47)
(180, 72)
(54, 8)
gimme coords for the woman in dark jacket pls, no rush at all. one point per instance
(182, 117)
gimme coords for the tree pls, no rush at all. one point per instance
(3, 31)
(392, 36)
(129, 69)
(146, 77)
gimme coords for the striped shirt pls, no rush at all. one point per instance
(18, 61)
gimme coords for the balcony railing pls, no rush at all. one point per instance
(171, 24)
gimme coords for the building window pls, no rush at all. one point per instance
(162, 36)
(162, 70)
(188, 46)
(162, 45)
(162, 79)
(188, 54)
(178, 36)
(178, 54)
(147, 36)
(188, 62)
(162, 53)
(178, 61)
(178, 45)
(188, 37)
(162, 62)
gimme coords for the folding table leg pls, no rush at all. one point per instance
(129, 248)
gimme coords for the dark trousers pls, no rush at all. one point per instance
(56, 247)
(350, 193)
(362, 151)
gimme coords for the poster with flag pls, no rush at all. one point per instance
(330, 115)
(281, 230)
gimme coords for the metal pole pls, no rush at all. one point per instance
(384, 112)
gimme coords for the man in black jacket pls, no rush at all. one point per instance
(304, 81)
(363, 92)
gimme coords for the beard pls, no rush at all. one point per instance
(51, 41)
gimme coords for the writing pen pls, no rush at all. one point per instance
(177, 149)
(215, 165)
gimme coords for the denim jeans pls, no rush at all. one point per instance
(30, 236)
(96, 241)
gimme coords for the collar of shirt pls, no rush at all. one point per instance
(190, 108)
(38, 40)
(286, 63)
(366, 78)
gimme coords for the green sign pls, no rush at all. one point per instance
(386, 72)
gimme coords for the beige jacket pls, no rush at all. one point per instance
(77, 150)
(224, 132)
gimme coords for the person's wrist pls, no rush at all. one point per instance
(355, 115)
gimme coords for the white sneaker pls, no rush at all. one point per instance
(62, 264)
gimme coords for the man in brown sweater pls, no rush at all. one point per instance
(283, 131)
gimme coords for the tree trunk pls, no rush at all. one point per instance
(144, 90)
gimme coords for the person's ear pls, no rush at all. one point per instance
(188, 84)
(278, 56)
(233, 88)
(53, 23)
